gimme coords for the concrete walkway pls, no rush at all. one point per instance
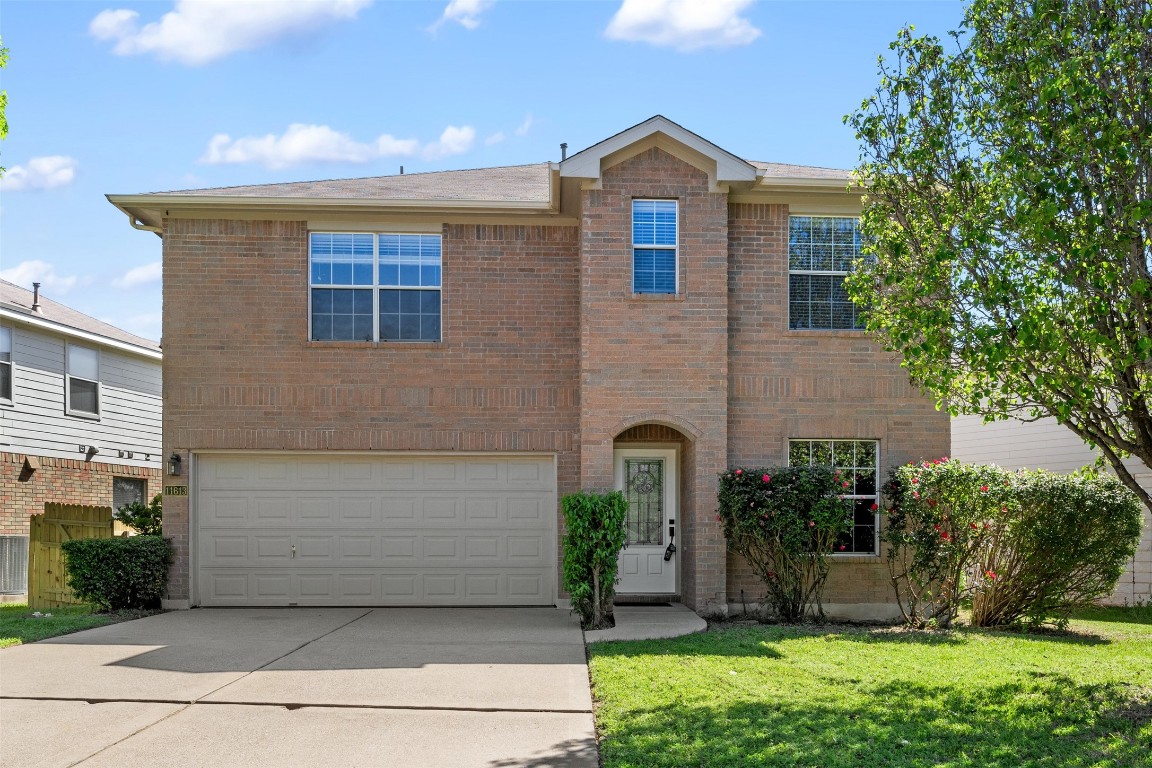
(304, 687)
(649, 622)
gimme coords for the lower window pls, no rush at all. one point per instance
(128, 490)
(858, 462)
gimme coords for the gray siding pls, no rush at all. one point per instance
(37, 424)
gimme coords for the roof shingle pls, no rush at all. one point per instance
(19, 301)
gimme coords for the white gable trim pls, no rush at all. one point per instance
(659, 131)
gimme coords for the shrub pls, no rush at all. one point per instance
(1016, 546)
(119, 573)
(784, 521)
(145, 519)
(596, 534)
(941, 516)
(1062, 545)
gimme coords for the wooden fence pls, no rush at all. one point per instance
(47, 586)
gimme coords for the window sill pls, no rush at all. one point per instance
(83, 415)
(657, 297)
(835, 333)
(375, 344)
(855, 557)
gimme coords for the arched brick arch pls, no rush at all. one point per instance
(683, 426)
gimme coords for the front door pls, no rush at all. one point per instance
(648, 479)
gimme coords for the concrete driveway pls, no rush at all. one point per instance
(485, 687)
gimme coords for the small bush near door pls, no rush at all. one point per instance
(596, 534)
(118, 574)
(145, 519)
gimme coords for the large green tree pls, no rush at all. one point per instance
(1009, 214)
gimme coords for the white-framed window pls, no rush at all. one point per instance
(6, 371)
(82, 382)
(654, 246)
(821, 251)
(368, 287)
(128, 490)
(859, 465)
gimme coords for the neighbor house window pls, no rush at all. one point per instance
(5, 364)
(821, 250)
(654, 239)
(369, 287)
(128, 490)
(83, 381)
(858, 462)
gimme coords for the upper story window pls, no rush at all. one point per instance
(369, 287)
(821, 250)
(654, 239)
(5, 364)
(82, 382)
(858, 462)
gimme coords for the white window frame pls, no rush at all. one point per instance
(68, 383)
(874, 497)
(8, 331)
(375, 287)
(651, 246)
(815, 273)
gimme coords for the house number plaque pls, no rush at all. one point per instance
(175, 490)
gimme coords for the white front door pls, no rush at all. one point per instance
(647, 476)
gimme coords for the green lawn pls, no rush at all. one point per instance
(18, 625)
(848, 696)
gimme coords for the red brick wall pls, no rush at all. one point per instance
(810, 384)
(659, 359)
(62, 481)
(240, 373)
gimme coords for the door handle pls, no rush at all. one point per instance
(671, 550)
(293, 551)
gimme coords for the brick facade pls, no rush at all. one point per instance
(545, 349)
(61, 481)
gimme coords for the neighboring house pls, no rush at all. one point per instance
(1045, 444)
(79, 417)
(381, 387)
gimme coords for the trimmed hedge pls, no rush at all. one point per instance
(119, 573)
(596, 534)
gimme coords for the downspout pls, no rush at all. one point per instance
(136, 224)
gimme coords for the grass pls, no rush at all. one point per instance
(853, 696)
(18, 625)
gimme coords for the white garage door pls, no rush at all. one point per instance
(373, 530)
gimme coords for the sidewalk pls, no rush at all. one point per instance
(649, 622)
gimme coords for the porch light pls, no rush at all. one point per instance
(174, 462)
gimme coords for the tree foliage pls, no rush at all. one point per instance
(1009, 209)
(3, 102)
(145, 519)
(785, 521)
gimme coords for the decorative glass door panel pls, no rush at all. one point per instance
(648, 478)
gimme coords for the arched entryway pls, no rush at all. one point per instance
(651, 466)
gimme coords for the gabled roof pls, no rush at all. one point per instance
(589, 163)
(513, 183)
(16, 302)
(799, 172)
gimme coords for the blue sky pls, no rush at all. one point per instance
(121, 97)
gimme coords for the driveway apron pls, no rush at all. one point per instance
(302, 687)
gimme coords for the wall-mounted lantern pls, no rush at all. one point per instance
(174, 462)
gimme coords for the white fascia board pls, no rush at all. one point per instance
(585, 164)
(76, 333)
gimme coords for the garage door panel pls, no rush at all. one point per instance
(430, 530)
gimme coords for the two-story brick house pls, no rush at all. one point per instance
(79, 418)
(382, 387)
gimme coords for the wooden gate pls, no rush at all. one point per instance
(47, 586)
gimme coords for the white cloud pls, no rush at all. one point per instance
(454, 141)
(495, 138)
(686, 25)
(40, 173)
(146, 325)
(466, 13)
(524, 127)
(27, 272)
(197, 32)
(302, 144)
(148, 273)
